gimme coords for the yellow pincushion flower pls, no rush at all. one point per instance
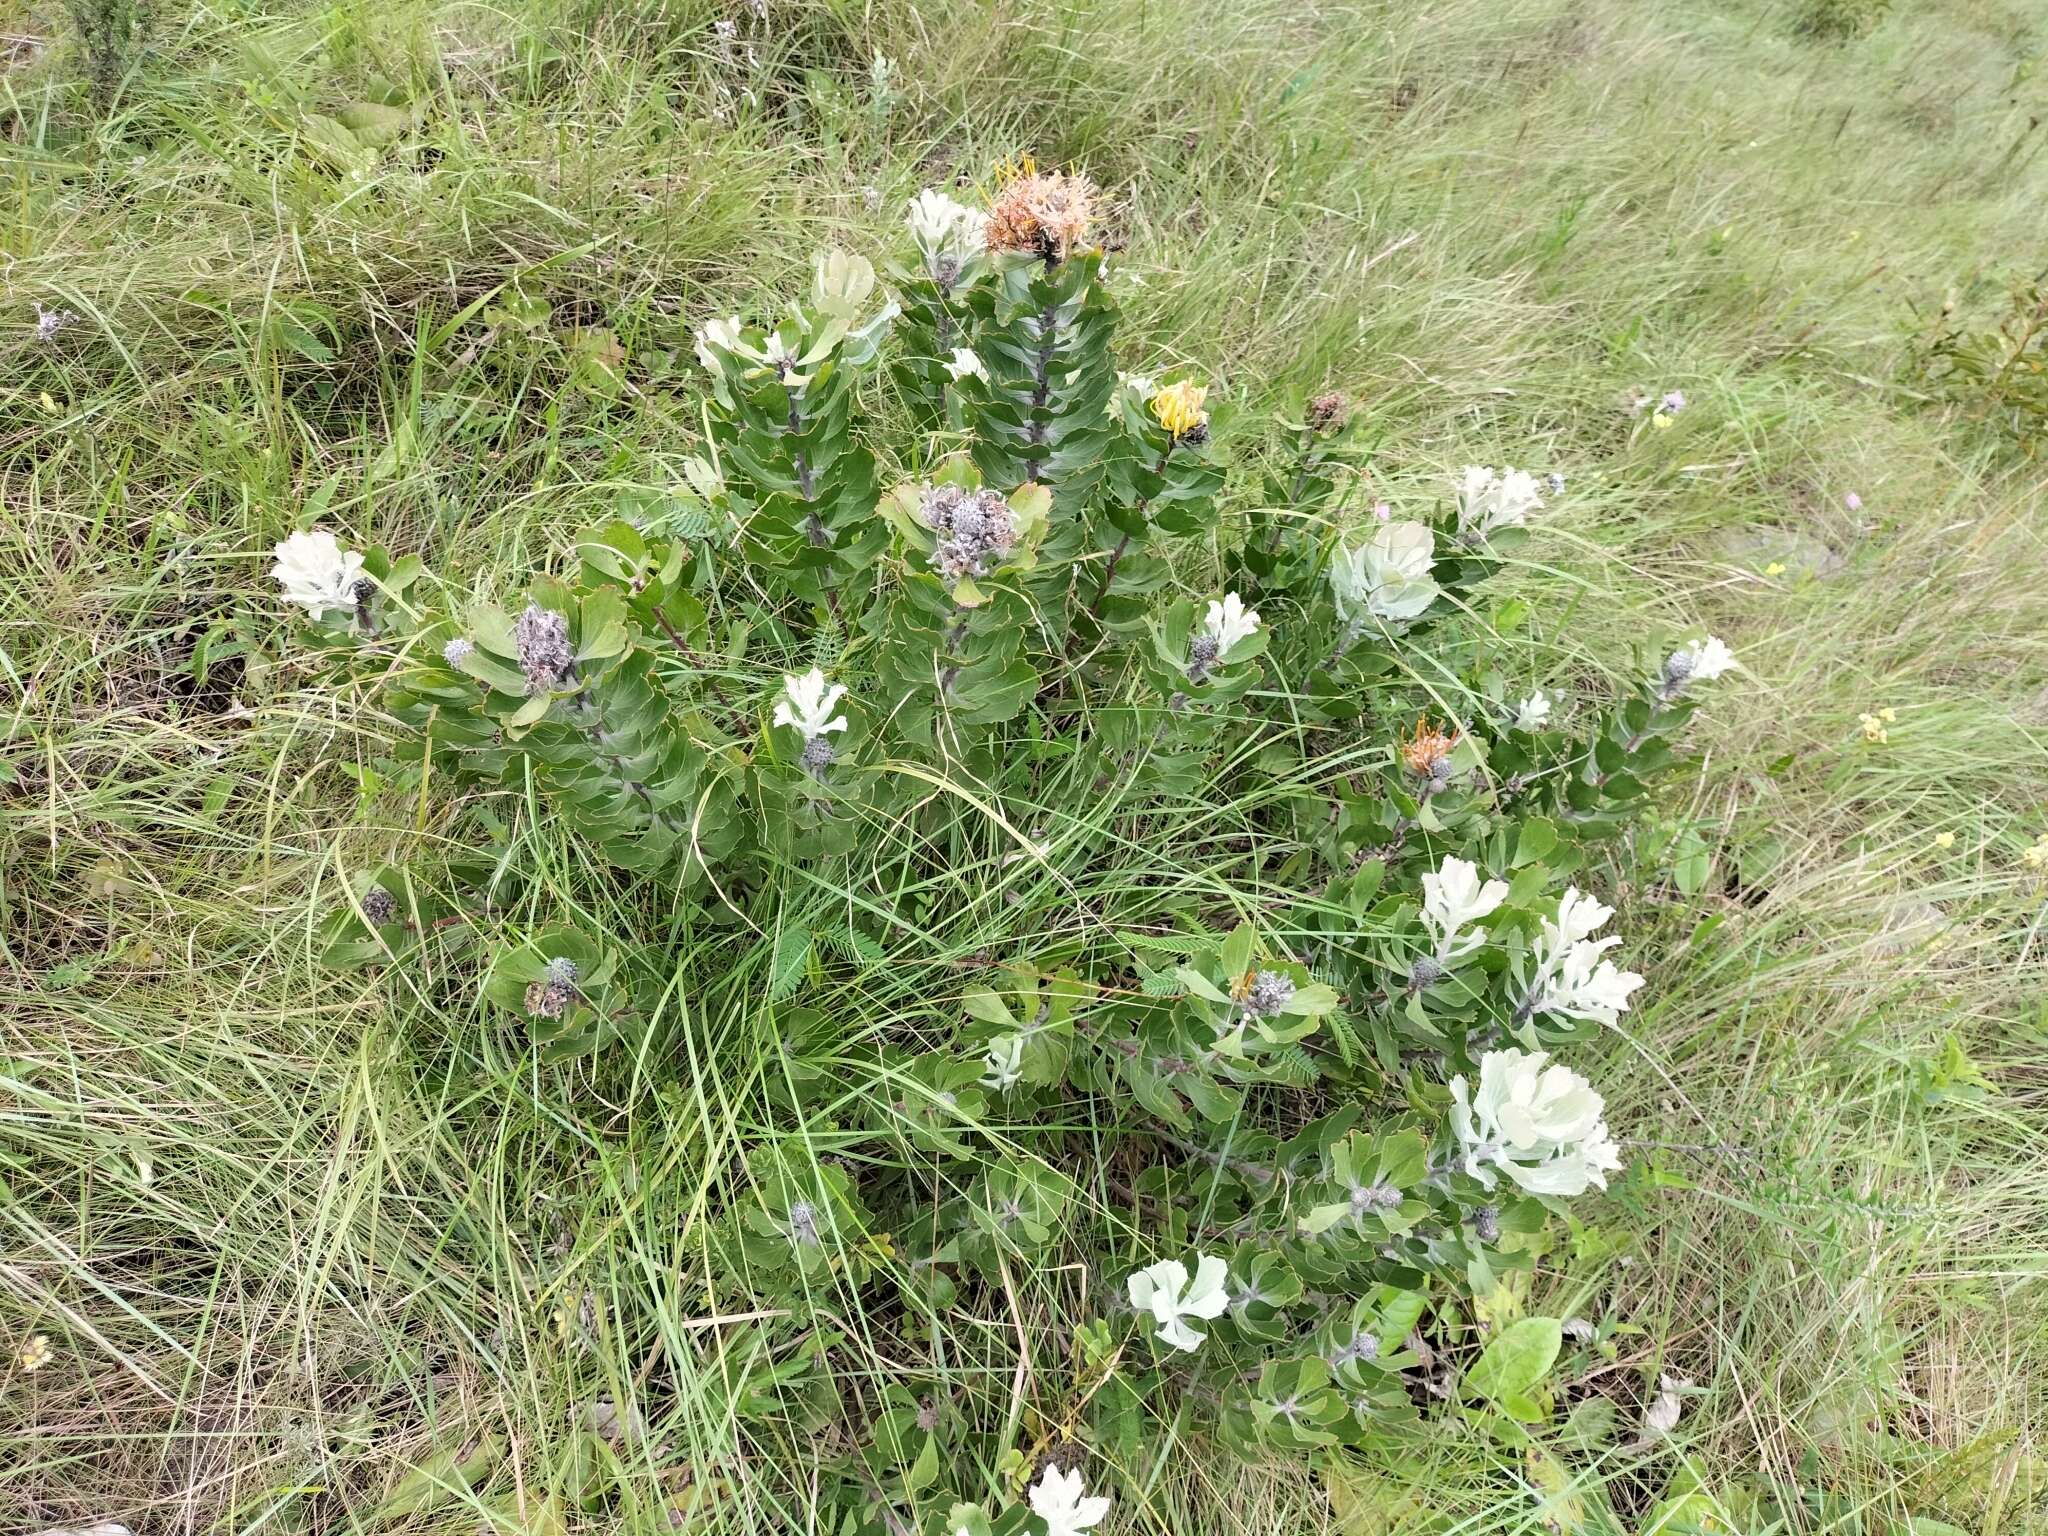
(1944, 839)
(2036, 857)
(35, 1352)
(1179, 407)
(1873, 729)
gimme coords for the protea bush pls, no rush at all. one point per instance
(942, 584)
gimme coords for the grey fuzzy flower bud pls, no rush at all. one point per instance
(542, 636)
(803, 1223)
(1486, 1224)
(563, 972)
(1426, 972)
(379, 906)
(1360, 1346)
(1555, 482)
(1270, 991)
(1202, 653)
(817, 756)
(457, 651)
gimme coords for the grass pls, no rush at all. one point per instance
(295, 1234)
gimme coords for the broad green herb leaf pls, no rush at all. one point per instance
(1514, 1363)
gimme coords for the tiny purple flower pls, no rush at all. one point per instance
(1853, 502)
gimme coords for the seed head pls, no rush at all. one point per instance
(542, 636)
(379, 906)
(549, 999)
(1326, 413)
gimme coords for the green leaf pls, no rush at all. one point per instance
(792, 950)
(1237, 951)
(1516, 1361)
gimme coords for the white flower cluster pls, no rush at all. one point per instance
(1488, 500)
(1697, 661)
(1060, 1500)
(317, 573)
(1452, 898)
(1165, 1290)
(948, 234)
(1387, 576)
(806, 704)
(1572, 980)
(1230, 621)
(1541, 1125)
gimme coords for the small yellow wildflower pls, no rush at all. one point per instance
(1873, 728)
(35, 1353)
(1944, 839)
(1775, 568)
(1888, 715)
(1661, 420)
(1179, 407)
(2036, 857)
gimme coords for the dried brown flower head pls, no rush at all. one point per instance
(1326, 413)
(1044, 213)
(1428, 752)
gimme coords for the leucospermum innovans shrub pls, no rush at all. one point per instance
(1267, 1150)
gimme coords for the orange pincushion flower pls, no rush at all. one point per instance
(1427, 748)
(1045, 213)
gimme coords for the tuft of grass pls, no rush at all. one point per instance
(296, 1236)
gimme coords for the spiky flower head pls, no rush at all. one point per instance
(1178, 408)
(1046, 214)
(50, 321)
(542, 636)
(563, 971)
(379, 906)
(1263, 993)
(35, 1352)
(817, 756)
(1427, 753)
(1328, 412)
(975, 530)
(457, 651)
